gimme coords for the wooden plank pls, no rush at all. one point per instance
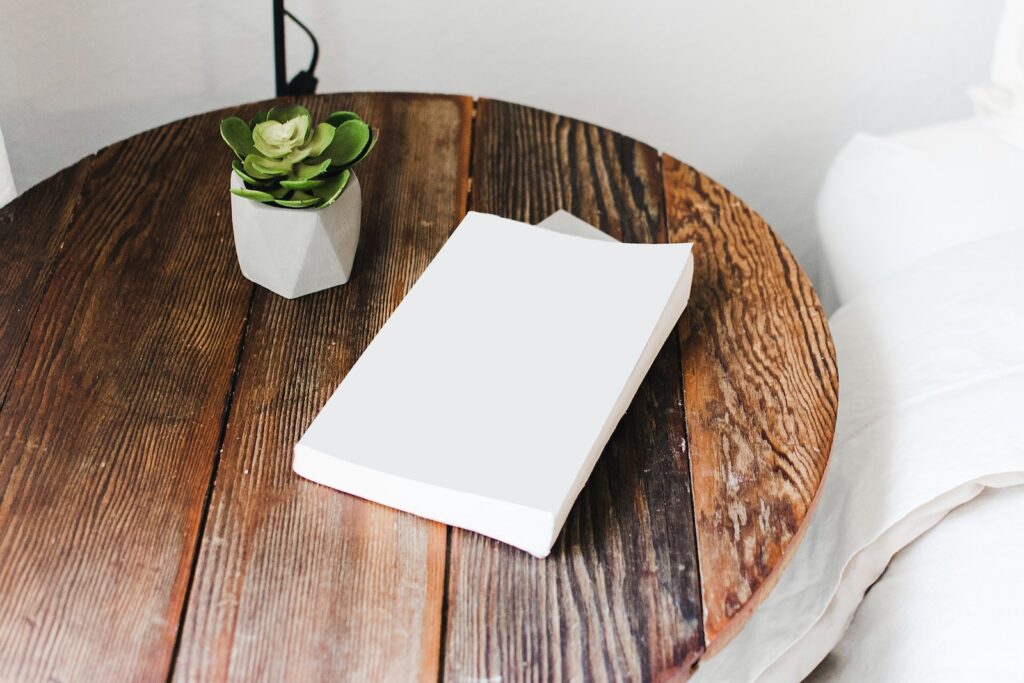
(32, 229)
(618, 598)
(296, 581)
(761, 389)
(114, 416)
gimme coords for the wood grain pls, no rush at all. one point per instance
(296, 581)
(32, 230)
(114, 414)
(618, 598)
(761, 386)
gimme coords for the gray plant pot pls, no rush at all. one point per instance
(294, 252)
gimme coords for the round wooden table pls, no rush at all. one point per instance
(150, 523)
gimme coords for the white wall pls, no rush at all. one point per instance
(76, 76)
(760, 95)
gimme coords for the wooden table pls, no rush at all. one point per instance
(151, 526)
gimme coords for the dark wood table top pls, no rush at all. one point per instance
(151, 526)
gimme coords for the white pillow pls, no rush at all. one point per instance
(888, 202)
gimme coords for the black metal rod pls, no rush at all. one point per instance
(280, 74)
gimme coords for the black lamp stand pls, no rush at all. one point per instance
(304, 82)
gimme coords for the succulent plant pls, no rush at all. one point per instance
(284, 160)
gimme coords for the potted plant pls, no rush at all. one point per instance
(295, 202)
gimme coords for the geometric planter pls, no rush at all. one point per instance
(294, 252)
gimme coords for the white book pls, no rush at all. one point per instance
(488, 395)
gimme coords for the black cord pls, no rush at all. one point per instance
(304, 78)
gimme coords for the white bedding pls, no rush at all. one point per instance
(950, 606)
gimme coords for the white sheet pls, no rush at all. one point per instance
(950, 606)
(931, 399)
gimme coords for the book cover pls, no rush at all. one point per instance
(486, 398)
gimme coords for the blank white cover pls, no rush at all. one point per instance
(486, 398)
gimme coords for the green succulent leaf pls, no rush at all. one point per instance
(248, 165)
(299, 200)
(339, 117)
(285, 114)
(322, 137)
(295, 114)
(266, 168)
(302, 184)
(257, 195)
(296, 156)
(236, 133)
(239, 170)
(276, 140)
(259, 118)
(366, 150)
(308, 171)
(332, 188)
(350, 139)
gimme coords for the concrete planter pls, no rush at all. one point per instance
(294, 252)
